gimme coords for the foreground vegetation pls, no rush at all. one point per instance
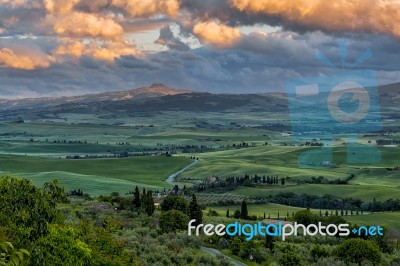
(41, 226)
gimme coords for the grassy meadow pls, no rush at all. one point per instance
(96, 176)
(37, 150)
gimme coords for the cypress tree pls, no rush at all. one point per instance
(227, 213)
(149, 204)
(269, 242)
(195, 211)
(244, 213)
(136, 198)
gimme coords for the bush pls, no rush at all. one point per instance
(212, 213)
(173, 220)
(223, 243)
(290, 259)
(173, 202)
(60, 247)
(358, 250)
(318, 252)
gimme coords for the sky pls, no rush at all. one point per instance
(59, 47)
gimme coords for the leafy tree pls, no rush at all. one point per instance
(57, 194)
(305, 217)
(61, 247)
(235, 245)
(28, 210)
(358, 250)
(173, 220)
(195, 211)
(243, 211)
(290, 259)
(11, 257)
(318, 252)
(236, 214)
(173, 202)
(105, 249)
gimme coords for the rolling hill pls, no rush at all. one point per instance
(159, 98)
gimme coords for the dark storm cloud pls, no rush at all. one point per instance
(168, 39)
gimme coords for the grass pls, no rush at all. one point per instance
(92, 184)
(262, 160)
(258, 210)
(181, 128)
(389, 219)
(366, 193)
(94, 174)
(281, 160)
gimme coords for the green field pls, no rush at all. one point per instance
(37, 150)
(390, 219)
(280, 160)
(258, 210)
(362, 192)
(96, 176)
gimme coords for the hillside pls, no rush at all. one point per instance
(159, 98)
(155, 90)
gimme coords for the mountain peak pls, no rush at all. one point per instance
(157, 85)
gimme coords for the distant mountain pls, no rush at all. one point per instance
(159, 98)
(155, 90)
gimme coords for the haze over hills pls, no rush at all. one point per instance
(158, 98)
(155, 90)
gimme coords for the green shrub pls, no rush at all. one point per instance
(173, 220)
(358, 250)
(290, 259)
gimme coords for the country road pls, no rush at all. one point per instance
(216, 253)
(172, 177)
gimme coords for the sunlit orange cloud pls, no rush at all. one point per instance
(59, 6)
(79, 24)
(336, 15)
(23, 59)
(146, 8)
(217, 34)
(105, 51)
